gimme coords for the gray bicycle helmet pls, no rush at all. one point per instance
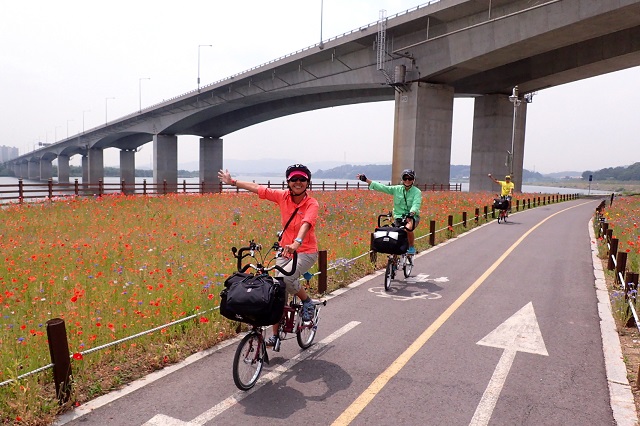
(410, 173)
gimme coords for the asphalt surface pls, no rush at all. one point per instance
(503, 325)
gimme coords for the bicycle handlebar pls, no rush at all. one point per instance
(390, 215)
(253, 247)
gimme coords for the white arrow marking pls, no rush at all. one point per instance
(163, 420)
(518, 333)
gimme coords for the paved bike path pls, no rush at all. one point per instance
(458, 294)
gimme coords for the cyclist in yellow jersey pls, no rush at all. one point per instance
(506, 187)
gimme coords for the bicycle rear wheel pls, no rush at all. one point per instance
(306, 331)
(388, 275)
(407, 266)
(247, 364)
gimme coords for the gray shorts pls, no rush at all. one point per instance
(305, 262)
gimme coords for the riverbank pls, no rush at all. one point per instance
(619, 187)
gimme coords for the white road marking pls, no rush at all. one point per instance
(518, 333)
(163, 420)
(414, 295)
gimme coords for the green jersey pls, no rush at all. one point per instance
(404, 202)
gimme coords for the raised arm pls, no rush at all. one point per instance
(492, 178)
(225, 177)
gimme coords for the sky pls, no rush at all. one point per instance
(70, 65)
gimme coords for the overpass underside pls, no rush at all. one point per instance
(448, 49)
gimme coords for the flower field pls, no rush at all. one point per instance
(624, 218)
(115, 266)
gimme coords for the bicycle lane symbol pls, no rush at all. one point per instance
(414, 295)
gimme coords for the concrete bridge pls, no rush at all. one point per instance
(422, 58)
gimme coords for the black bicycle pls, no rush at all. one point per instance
(395, 261)
(251, 353)
(502, 205)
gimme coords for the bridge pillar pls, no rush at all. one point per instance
(165, 161)
(492, 134)
(210, 163)
(85, 169)
(128, 168)
(46, 170)
(422, 133)
(96, 165)
(63, 169)
(24, 170)
(33, 170)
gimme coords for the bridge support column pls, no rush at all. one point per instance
(46, 170)
(210, 163)
(165, 161)
(24, 170)
(63, 169)
(422, 133)
(33, 170)
(85, 169)
(128, 169)
(96, 165)
(491, 142)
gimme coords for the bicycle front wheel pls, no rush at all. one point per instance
(408, 265)
(306, 331)
(388, 275)
(248, 361)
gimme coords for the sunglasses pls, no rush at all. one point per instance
(407, 178)
(298, 179)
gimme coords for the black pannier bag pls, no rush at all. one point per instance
(389, 240)
(254, 299)
(500, 204)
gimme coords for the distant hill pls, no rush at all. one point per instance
(631, 172)
(382, 172)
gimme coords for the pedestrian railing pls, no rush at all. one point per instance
(35, 191)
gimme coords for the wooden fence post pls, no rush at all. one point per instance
(322, 266)
(59, 351)
(613, 250)
(621, 265)
(20, 190)
(432, 233)
(50, 186)
(464, 219)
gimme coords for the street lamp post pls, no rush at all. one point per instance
(321, 45)
(68, 127)
(515, 100)
(199, 46)
(140, 90)
(106, 120)
(86, 110)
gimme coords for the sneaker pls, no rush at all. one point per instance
(271, 341)
(308, 309)
(412, 250)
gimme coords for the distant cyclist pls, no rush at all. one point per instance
(407, 200)
(300, 210)
(506, 187)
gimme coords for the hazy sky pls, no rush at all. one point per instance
(61, 60)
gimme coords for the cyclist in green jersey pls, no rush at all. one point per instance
(407, 200)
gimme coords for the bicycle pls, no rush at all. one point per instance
(251, 353)
(402, 261)
(502, 204)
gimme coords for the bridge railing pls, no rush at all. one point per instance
(36, 191)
